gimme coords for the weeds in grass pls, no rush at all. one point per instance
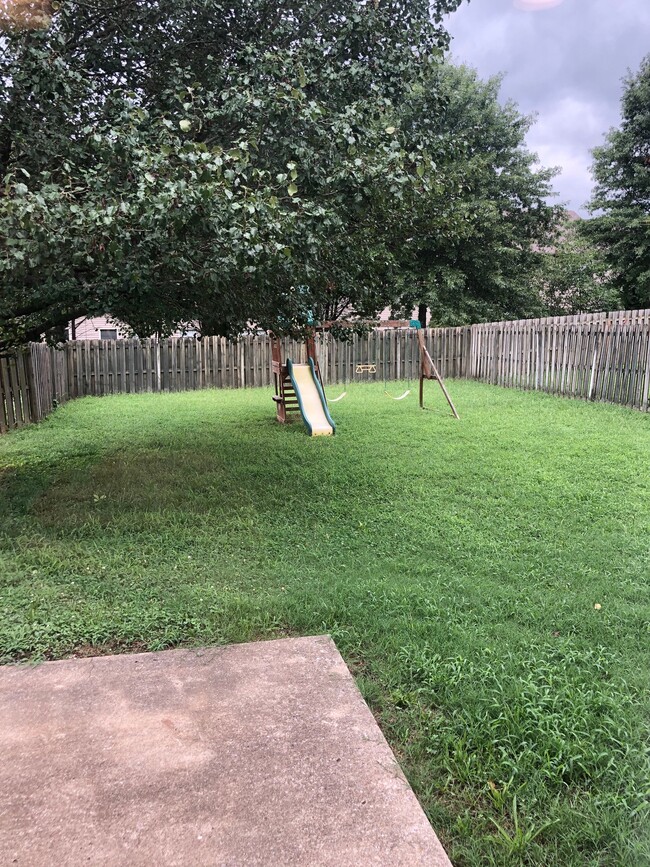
(499, 795)
(536, 713)
(517, 843)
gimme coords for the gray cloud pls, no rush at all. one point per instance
(564, 64)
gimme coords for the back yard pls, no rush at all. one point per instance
(487, 581)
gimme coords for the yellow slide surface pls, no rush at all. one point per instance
(311, 403)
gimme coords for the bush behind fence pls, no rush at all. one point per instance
(594, 356)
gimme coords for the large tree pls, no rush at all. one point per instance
(190, 160)
(621, 197)
(476, 243)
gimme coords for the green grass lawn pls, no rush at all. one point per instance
(457, 565)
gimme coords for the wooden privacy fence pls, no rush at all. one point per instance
(96, 367)
(32, 383)
(40, 378)
(594, 356)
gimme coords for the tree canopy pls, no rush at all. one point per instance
(621, 197)
(574, 276)
(476, 243)
(187, 160)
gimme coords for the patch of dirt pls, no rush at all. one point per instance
(80, 652)
(106, 649)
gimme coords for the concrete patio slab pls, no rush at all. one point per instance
(252, 754)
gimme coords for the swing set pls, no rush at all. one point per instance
(299, 387)
(427, 367)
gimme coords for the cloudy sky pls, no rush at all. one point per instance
(564, 62)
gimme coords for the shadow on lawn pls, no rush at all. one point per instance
(228, 475)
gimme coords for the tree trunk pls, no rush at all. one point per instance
(422, 314)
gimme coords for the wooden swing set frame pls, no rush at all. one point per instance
(286, 400)
(428, 369)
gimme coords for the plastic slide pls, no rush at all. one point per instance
(311, 399)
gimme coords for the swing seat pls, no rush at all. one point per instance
(401, 397)
(336, 399)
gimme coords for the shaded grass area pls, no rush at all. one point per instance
(455, 564)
